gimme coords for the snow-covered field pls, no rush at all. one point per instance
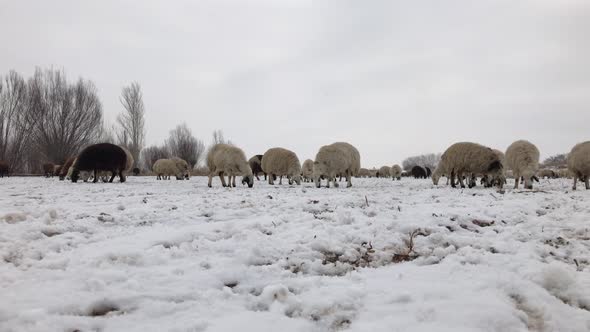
(152, 255)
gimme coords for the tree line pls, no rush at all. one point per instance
(47, 118)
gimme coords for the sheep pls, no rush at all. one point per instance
(522, 157)
(183, 167)
(384, 172)
(396, 172)
(84, 175)
(255, 164)
(129, 161)
(4, 169)
(281, 162)
(547, 173)
(468, 158)
(66, 168)
(225, 159)
(564, 173)
(164, 168)
(48, 169)
(101, 157)
(56, 170)
(136, 171)
(578, 163)
(333, 159)
(307, 170)
(364, 173)
(418, 172)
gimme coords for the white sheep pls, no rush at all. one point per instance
(467, 158)
(578, 163)
(281, 162)
(164, 168)
(336, 158)
(183, 167)
(225, 159)
(364, 173)
(307, 170)
(130, 160)
(522, 157)
(384, 172)
(396, 172)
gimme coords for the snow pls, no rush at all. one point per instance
(150, 255)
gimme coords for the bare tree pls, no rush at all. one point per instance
(183, 144)
(69, 116)
(107, 134)
(557, 161)
(218, 138)
(150, 154)
(426, 160)
(131, 122)
(16, 122)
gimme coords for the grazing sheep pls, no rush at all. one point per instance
(4, 169)
(336, 158)
(578, 163)
(129, 161)
(101, 157)
(256, 165)
(384, 172)
(84, 175)
(418, 172)
(564, 173)
(522, 157)
(467, 158)
(224, 159)
(281, 162)
(396, 172)
(183, 167)
(546, 173)
(164, 168)
(66, 168)
(136, 171)
(307, 170)
(48, 169)
(56, 170)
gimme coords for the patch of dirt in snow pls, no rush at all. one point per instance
(383, 255)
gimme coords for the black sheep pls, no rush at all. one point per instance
(136, 171)
(101, 157)
(4, 169)
(418, 172)
(428, 172)
(256, 166)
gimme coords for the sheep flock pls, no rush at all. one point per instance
(462, 164)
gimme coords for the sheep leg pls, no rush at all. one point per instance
(348, 180)
(210, 179)
(222, 177)
(281, 180)
(516, 180)
(270, 180)
(122, 177)
(234, 182)
(95, 176)
(460, 176)
(113, 173)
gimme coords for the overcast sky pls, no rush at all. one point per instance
(393, 78)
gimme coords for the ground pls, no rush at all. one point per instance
(384, 255)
